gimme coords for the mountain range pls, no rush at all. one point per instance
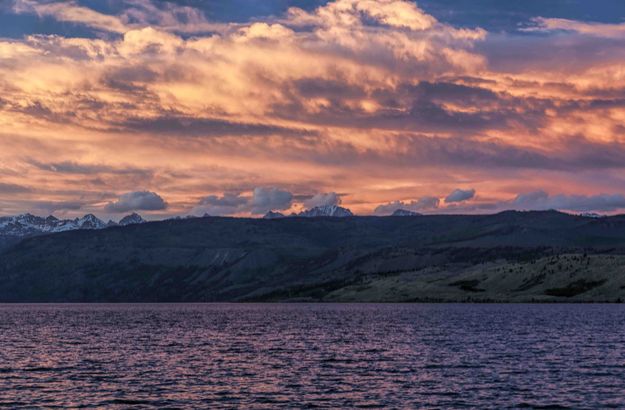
(28, 224)
(513, 256)
(23, 225)
(331, 211)
(13, 228)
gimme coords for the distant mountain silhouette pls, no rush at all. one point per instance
(273, 215)
(404, 212)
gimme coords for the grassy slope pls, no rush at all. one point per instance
(563, 278)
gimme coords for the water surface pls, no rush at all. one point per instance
(287, 355)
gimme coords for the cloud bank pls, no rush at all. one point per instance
(376, 100)
(460, 195)
(427, 203)
(136, 201)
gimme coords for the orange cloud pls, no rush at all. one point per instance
(375, 100)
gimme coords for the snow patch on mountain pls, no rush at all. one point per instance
(29, 225)
(334, 211)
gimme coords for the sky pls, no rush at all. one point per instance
(241, 107)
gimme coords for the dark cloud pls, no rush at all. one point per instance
(270, 199)
(426, 203)
(13, 188)
(51, 206)
(262, 201)
(40, 110)
(460, 195)
(335, 88)
(138, 78)
(423, 107)
(71, 167)
(229, 200)
(451, 92)
(541, 200)
(130, 78)
(531, 199)
(137, 201)
(575, 154)
(203, 127)
(227, 204)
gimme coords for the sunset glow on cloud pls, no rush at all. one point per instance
(154, 106)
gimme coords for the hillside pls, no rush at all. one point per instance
(443, 257)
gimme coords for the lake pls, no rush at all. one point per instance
(312, 355)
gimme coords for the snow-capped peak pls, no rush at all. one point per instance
(327, 210)
(89, 221)
(28, 224)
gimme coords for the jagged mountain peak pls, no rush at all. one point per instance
(89, 221)
(28, 224)
(133, 218)
(326, 210)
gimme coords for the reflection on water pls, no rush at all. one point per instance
(267, 356)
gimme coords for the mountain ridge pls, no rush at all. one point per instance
(322, 259)
(28, 224)
(325, 211)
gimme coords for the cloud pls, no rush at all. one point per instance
(353, 96)
(202, 127)
(6, 188)
(51, 206)
(261, 201)
(531, 199)
(227, 200)
(270, 199)
(426, 203)
(460, 195)
(541, 200)
(140, 13)
(71, 11)
(137, 201)
(394, 13)
(227, 204)
(323, 199)
(608, 30)
(72, 167)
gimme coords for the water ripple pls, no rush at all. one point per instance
(312, 356)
